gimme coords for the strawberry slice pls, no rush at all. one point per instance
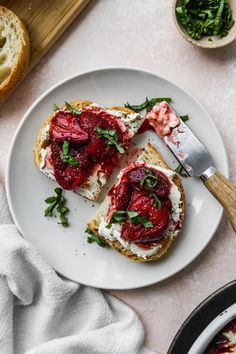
(160, 219)
(65, 126)
(160, 186)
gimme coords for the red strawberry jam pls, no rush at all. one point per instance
(86, 145)
(145, 127)
(138, 190)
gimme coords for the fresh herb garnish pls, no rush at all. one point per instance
(66, 157)
(57, 202)
(135, 218)
(73, 110)
(95, 238)
(117, 217)
(112, 137)
(181, 171)
(55, 107)
(149, 180)
(156, 200)
(147, 104)
(184, 118)
(205, 17)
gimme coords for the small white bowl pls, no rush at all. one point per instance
(206, 41)
(202, 342)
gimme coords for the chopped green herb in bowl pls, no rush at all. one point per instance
(206, 23)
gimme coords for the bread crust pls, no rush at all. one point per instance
(151, 156)
(19, 69)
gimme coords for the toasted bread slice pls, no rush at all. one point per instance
(14, 51)
(98, 179)
(150, 156)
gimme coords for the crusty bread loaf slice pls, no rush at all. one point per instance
(98, 179)
(14, 51)
(151, 156)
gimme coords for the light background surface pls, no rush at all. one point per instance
(142, 34)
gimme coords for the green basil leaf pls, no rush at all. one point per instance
(112, 137)
(156, 200)
(117, 217)
(57, 202)
(49, 210)
(181, 171)
(205, 18)
(147, 104)
(58, 191)
(64, 220)
(154, 101)
(55, 107)
(65, 147)
(150, 180)
(134, 218)
(66, 157)
(63, 210)
(73, 162)
(50, 200)
(184, 118)
(132, 214)
(73, 110)
(95, 238)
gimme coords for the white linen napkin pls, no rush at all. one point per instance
(42, 313)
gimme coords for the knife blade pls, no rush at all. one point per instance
(193, 155)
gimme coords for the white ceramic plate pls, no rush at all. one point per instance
(66, 249)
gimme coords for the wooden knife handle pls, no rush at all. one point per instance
(225, 192)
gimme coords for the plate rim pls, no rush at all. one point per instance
(61, 83)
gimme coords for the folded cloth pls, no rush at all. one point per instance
(42, 313)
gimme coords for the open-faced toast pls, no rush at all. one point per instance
(101, 225)
(88, 130)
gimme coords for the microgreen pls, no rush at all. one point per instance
(95, 238)
(135, 218)
(112, 137)
(66, 157)
(147, 104)
(57, 202)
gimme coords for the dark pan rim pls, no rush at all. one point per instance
(201, 316)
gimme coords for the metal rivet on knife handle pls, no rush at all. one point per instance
(225, 192)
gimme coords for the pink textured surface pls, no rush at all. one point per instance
(142, 34)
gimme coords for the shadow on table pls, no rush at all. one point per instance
(223, 54)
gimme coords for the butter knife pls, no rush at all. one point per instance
(195, 158)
